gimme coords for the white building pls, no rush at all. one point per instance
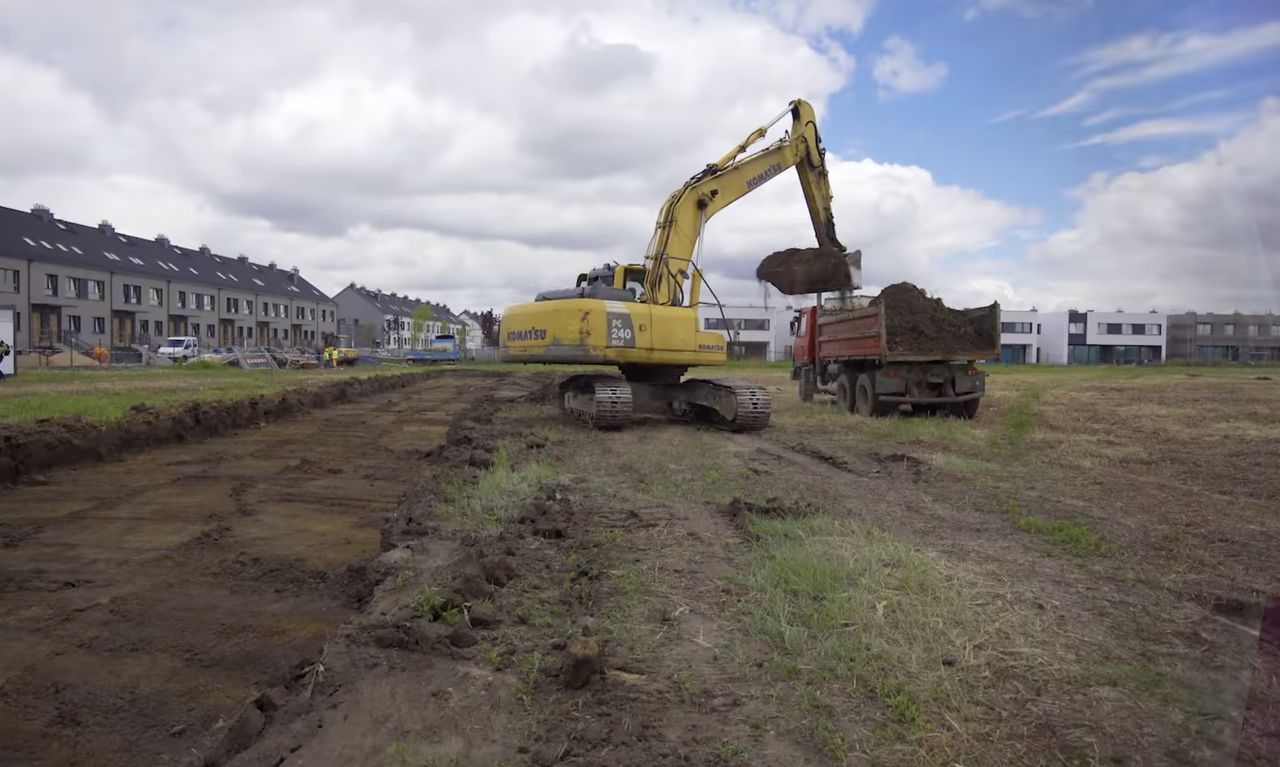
(752, 332)
(1020, 333)
(473, 333)
(1082, 338)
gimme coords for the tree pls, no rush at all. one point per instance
(422, 315)
(489, 326)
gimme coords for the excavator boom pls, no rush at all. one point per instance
(686, 211)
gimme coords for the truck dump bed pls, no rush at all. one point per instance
(904, 325)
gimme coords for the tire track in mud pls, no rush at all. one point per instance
(147, 599)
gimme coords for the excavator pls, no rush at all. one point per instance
(643, 318)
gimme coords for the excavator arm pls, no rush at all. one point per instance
(686, 211)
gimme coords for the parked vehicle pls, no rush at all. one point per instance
(443, 348)
(179, 348)
(845, 352)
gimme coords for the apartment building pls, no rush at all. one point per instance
(1081, 338)
(1224, 337)
(1020, 333)
(372, 318)
(80, 286)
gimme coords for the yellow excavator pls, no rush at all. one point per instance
(641, 318)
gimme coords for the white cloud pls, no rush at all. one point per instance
(899, 69)
(1027, 9)
(1166, 127)
(1117, 113)
(348, 141)
(1150, 57)
(811, 17)
(1006, 116)
(1201, 233)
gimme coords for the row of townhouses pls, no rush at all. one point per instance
(75, 286)
(1053, 338)
(374, 319)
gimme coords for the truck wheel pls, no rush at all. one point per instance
(806, 386)
(965, 410)
(867, 403)
(845, 393)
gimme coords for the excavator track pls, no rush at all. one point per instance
(750, 409)
(610, 402)
(603, 402)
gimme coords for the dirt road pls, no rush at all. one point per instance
(143, 601)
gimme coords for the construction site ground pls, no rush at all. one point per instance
(452, 574)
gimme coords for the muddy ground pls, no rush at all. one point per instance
(1076, 577)
(143, 601)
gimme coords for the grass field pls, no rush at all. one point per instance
(103, 396)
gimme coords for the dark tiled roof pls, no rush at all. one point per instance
(389, 303)
(29, 235)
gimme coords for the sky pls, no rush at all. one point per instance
(1043, 153)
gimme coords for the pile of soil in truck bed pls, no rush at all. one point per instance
(914, 322)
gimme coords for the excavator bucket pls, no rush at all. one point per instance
(797, 271)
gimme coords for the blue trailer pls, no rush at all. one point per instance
(443, 348)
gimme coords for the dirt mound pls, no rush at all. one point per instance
(739, 509)
(914, 322)
(31, 448)
(796, 271)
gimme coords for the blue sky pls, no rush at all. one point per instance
(1002, 61)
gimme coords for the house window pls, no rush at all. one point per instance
(132, 294)
(1229, 329)
(73, 323)
(142, 327)
(75, 287)
(51, 284)
(195, 329)
(1253, 330)
(312, 313)
(99, 325)
(206, 301)
(182, 299)
(97, 290)
(1204, 329)
(1015, 327)
(1075, 327)
(233, 305)
(248, 308)
(155, 296)
(1275, 330)
(1153, 330)
(9, 281)
(209, 329)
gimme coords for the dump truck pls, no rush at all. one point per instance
(900, 348)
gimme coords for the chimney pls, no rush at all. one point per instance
(378, 292)
(271, 265)
(293, 275)
(42, 212)
(106, 228)
(242, 258)
(205, 251)
(162, 241)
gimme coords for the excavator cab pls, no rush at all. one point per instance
(611, 282)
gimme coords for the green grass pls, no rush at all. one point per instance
(497, 496)
(847, 606)
(1073, 537)
(727, 752)
(103, 396)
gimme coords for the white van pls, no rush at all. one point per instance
(180, 348)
